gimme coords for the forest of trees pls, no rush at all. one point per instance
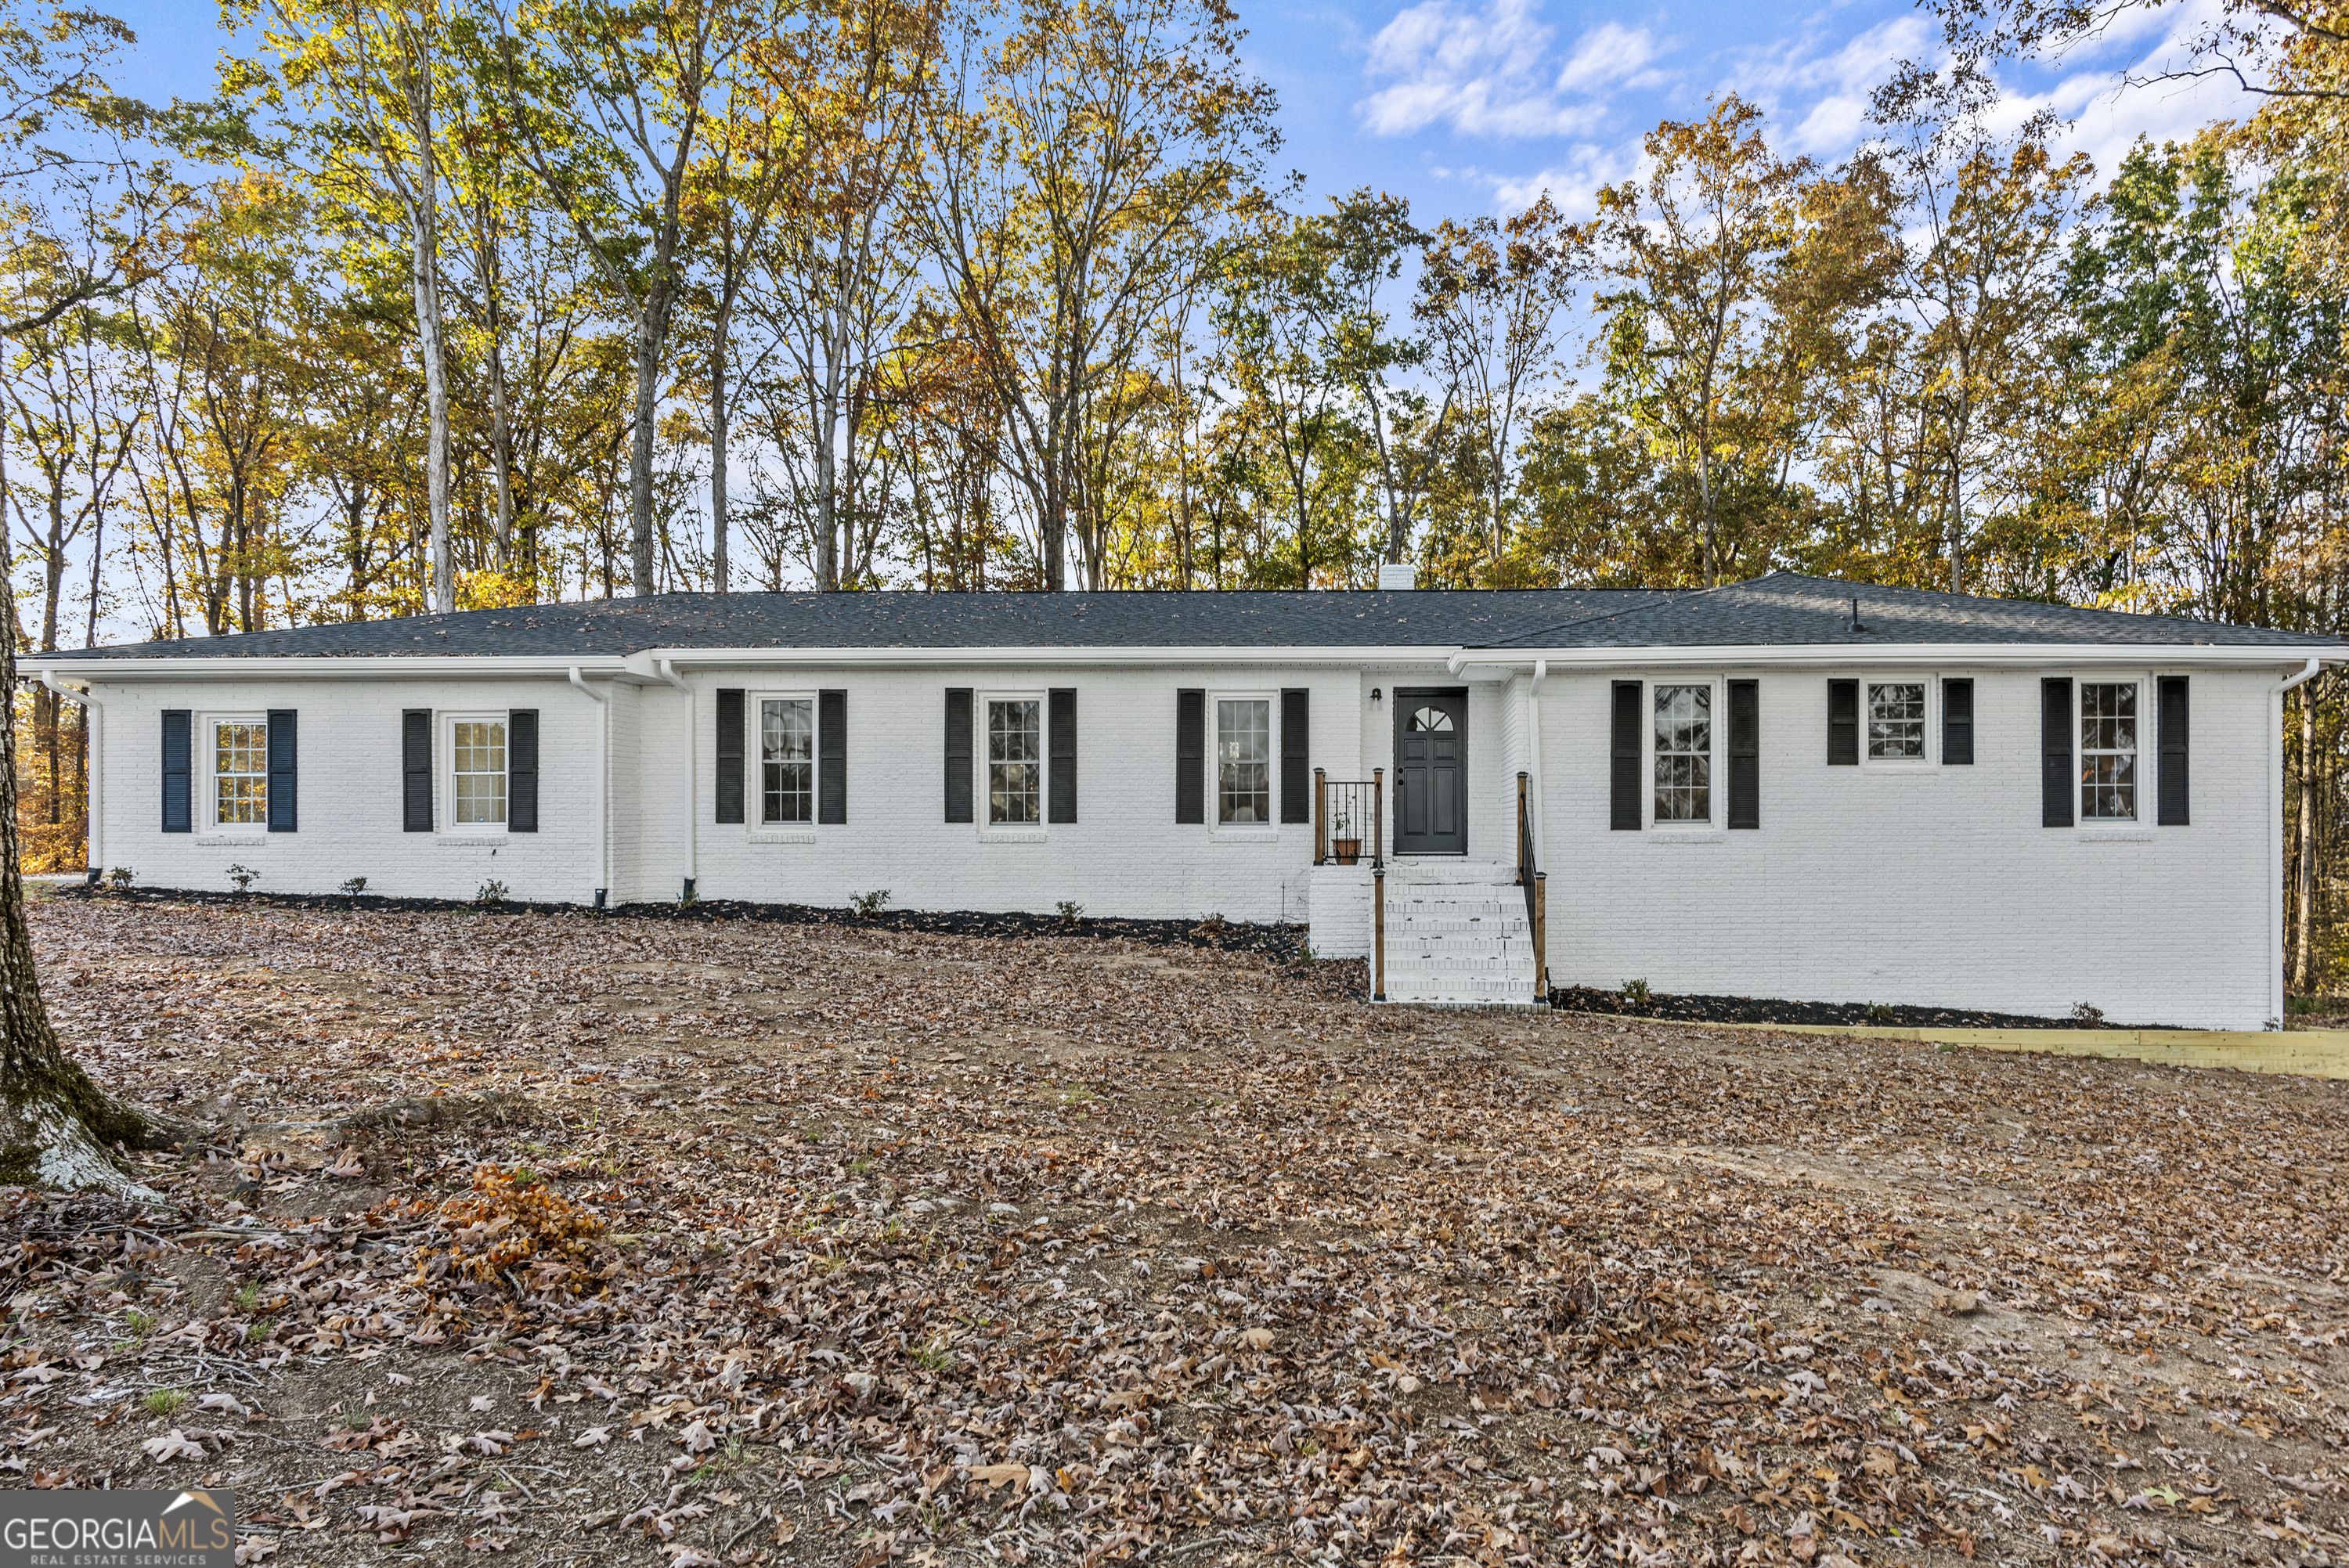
(478, 303)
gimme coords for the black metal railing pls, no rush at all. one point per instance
(1349, 819)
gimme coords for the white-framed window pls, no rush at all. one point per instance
(2108, 750)
(238, 747)
(1896, 719)
(477, 772)
(1013, 759)
(786, 758)
(1243, 743)
(1682, 732)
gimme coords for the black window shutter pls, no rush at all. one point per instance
(1843, 723)
(730, 755)
(1190, 756)
(958, 763)
(1745, 754)
(1296, 751)
(2055, 752)
(1623, 775)
(522, 770)
(2172, 809)
(831, 756)
(1061, 744)
(1957, 722)
(416, 770)
(177, 816)
(283, 784)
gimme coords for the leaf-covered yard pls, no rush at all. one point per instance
(665, 1241)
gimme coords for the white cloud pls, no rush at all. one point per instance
(1492, 72)
(1833, 80)
(1572, 182)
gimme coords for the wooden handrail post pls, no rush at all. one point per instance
(1378, 934)
(1320, 816)
(1521, 827)
(1378, 817)
(1541, 937)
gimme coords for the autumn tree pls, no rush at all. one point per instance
(1079, 160)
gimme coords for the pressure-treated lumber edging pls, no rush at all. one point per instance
(2310, 1053)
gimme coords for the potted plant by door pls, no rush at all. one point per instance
(1345, 842)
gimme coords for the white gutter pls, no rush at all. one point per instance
(692, 754)
(2313, 668)
(1844, 656)
(603, 779)
(340, 667)
(92, 706)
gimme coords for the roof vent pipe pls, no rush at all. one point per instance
(1398, 577)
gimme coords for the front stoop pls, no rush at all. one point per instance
(1457, 936)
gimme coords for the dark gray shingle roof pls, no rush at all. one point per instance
(1787, 610)
(1781, 609)
(1136, 620)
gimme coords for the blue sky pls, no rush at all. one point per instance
(1470, 106)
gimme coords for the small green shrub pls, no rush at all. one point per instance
(1878, 1013)
(2087, 1014)
(243, 876)
(120, 878)
(865, 905)
(355, 886)
(1069, 913)
(491, 892)
(164, 1401)
(1636, 992)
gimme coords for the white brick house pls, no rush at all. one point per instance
(1957, 801)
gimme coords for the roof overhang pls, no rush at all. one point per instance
(1901, 656)
(1466, 663)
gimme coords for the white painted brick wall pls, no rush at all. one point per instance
(350, 791)
(1934, 886)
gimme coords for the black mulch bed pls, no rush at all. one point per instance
(1280, 943)
(1766, 1010)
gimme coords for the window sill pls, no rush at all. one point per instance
(1659, 835)
(782, 835)
(245, 840)
(1011, 835)
(1251, 834)
(2120, 833)
(469, 841)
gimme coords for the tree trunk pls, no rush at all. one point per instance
(2306, 978)
(718, 567)
(640, 454)
(54, 1124)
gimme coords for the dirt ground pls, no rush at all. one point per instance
(720, 1243)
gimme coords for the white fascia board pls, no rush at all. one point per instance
(450, 667)
(648, 662)
(1946, 655)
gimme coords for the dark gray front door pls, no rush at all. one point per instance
(1431, 772)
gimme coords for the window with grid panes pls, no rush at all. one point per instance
(239, 773)
(1896, 720)
(1243, 760)
(1015, 759)
(477, 747)
(2107, 751)
(787, 759)
(1685, 753)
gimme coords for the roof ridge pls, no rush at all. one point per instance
(1663, 596)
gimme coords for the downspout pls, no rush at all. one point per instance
(692, 795)
(603, 785)
(1532, 755)
(95, 711)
